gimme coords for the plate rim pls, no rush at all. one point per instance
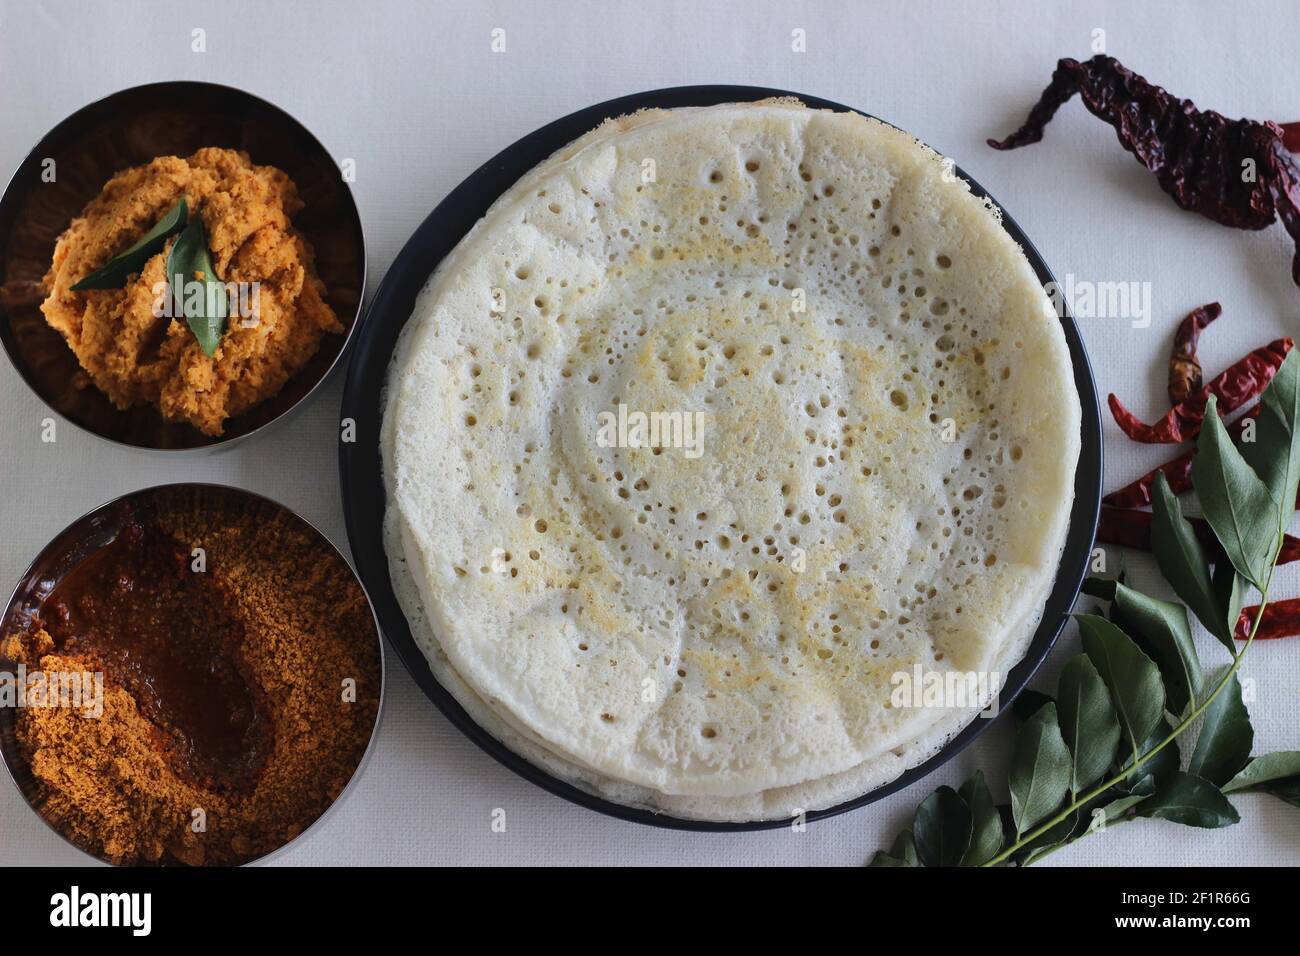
(360, 460)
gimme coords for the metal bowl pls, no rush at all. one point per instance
(127, 129)
(95, 530)
(362, 480)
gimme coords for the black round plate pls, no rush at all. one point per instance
(363, 487)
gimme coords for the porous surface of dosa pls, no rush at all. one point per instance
(885, 475)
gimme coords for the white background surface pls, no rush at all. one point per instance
(414, 94)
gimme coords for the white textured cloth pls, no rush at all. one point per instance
(415, 94)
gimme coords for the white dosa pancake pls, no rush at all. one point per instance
(884, 479)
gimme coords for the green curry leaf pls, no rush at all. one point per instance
(1088, 722)
(1223, 748)
(201, 293)
(114, 273)
(1132, 677)
(942, 828)
(1237, 504)
(1040, 769)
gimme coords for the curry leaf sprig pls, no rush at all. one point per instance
(1106, 749)
(204, 305)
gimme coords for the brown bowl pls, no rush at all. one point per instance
(127, 129)
(96, 530)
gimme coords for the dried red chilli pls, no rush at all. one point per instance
(1132, 529)
(1200, 157)
(1234, 387)
(1291, 136)
(1178, 472)
(1184, 366)
(1281, 619)
(1284, 181)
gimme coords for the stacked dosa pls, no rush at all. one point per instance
(719, 427)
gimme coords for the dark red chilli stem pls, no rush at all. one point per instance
(1184, 364)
